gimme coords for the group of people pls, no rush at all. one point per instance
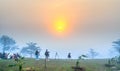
(37, 53)
(9, 56)
(14, 56)
(47, 54)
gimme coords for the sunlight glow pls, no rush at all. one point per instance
(60, 26)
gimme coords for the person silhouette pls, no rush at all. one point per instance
(69, 55)
(37, 54)
(47, 55)
(56, 55)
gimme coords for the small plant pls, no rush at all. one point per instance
(77, 67)
(111, 63)
(19, 63)
(80, 58)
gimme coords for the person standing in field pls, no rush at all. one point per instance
(37, 54)
(56, 55)
(47, 55)
(69, 55)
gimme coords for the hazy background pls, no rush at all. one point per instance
(92, 24)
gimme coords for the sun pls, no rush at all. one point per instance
(60, 26)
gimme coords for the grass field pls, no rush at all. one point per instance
(56, 65)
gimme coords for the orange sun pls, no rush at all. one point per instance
(60, 26)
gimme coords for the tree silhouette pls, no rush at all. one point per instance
(7, 43)
(117, 45)
(30, 49)
(92, 53)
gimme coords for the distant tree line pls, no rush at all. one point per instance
(8, 44)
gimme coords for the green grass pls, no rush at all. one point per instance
(56, 65)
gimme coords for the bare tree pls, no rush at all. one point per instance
(92, 53)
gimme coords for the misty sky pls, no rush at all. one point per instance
(92, 24)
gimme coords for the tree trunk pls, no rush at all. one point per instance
(3, 48)
(45, 64)
(20, 68)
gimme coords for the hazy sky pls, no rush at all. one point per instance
(90, 24)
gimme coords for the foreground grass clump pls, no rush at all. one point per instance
(19, 63)
(55, 65)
